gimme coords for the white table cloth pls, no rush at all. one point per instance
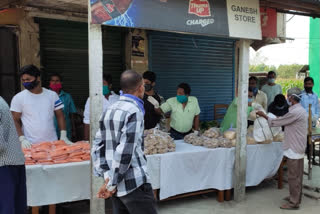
(53, 184)
(190, 168)
(194, 168)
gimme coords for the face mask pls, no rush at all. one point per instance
(308, 89)
(148, 87)
(271, 81)
(56, 87)
(250, 100)
(182, 98)
(254, 90)
(30, 85)
(289, 103)
(105, 90)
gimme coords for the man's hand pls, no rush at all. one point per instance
(262, 114)
(154, 102)
(104, 192)
(63, 136)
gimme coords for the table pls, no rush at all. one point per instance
(181, 171)
(189, 169)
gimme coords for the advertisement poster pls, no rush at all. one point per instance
(206, 17)
(138, 44)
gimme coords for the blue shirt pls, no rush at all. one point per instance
(69, 108)
(312, 99)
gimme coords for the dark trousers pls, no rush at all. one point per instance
(13, 193)
(140, 201)
(178, 135)
(295, 178)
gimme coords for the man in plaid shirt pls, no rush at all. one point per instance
(118, 151)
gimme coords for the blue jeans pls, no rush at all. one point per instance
(13, 193)
(140, 201)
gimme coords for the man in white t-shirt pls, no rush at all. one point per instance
(109, 97)
(34, 108)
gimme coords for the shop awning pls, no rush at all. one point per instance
(299, 7)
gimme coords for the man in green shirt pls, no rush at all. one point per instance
(271, 89)
(185, 112)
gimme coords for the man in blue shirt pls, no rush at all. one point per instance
(309, 97)
(69, 107)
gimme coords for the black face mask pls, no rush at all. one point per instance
(148, 87)
(308, 89)
(30, 85)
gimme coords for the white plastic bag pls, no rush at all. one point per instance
(262, 132)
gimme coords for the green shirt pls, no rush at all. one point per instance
(230, 119)
(68, 109)
(181, 119)
(271, 92)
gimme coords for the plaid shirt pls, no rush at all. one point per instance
(118, 147)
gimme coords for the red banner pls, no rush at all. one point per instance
(268, 22)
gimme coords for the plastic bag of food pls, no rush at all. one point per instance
(230, 134)
(210, 142)
(224, 142)
(212, 133)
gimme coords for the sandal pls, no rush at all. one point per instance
(289, 206)
(286, 199)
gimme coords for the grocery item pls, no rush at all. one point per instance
(210, 142)
(212, 133)
(279, 137)
(158, 142)
(230, 134)
(225, 142)
(56, 152)
(193, 139)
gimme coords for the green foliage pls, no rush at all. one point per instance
(286, 84)
(204, 125)
(262, 68)
(288, 71)
(283, 71)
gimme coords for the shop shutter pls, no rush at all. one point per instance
(206, 63)
(64, 50)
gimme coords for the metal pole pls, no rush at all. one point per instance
(310, 151)
(241, 147)
(97, 206)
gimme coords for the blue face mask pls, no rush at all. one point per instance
(105, 90)
(250, 100)
(182, 98)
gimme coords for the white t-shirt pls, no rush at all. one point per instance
(106, 103)
(37, 114)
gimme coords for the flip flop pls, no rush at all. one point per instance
(289, 206)
(286, 199)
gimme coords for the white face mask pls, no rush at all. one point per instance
(289, 103)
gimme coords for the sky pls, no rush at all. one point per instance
(291, 52)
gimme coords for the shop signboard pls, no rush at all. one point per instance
(225, 18)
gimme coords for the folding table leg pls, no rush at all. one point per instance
(220, 195)
(35, 210)
(228, 195)
(52, 209)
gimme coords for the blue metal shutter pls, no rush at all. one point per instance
(206, 63)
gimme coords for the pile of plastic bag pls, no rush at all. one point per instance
(158, 142)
